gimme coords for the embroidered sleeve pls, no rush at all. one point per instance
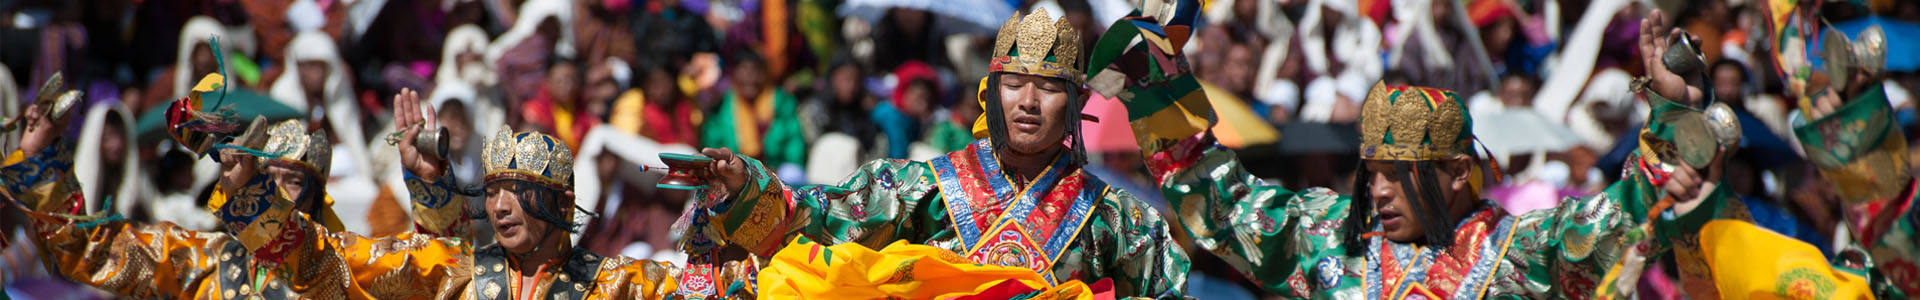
(345, 265)
(437, 210)
(131, 260)
(875, 206)
(1576, 243)
(44, 180)
(627, 278)
(402, 266)
(1148, 260)
(1276, 237)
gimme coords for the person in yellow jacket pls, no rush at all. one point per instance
(163, 260)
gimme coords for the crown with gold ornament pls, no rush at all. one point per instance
(529, 156)
(1405, 123)
(1037, 45)
(296, 148)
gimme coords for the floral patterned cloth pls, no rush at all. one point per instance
(1289, 242)
(164, 261)
(1066, 226)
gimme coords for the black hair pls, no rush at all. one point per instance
(1429, 201)
(1747, 82)
(997, 122)
(562, 60)
(538, 201)
(744, 55)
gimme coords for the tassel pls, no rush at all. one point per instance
(255, 153)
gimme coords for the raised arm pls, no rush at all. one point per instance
(131, 260)
(1269, 233)
(884, 201)
(437, 210)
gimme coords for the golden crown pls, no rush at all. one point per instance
(529, 156)
(308, 152)
(1412, 124)
(1037, 45)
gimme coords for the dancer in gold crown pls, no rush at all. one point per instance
(1419, 228)
(1016, 197)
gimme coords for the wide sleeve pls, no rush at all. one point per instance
(437, 209)
(1578, 242)
(880, 203)
(344, 265)
(130, 260)
(1144, 257)
(626, 278)
(43, 181)
(1274, 236)
(143, 261)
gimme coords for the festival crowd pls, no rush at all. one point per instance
(1214, 149)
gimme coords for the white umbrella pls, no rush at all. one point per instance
(952, 16)
(1521, 131)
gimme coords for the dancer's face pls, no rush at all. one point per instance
(512, 226)
(1392, 207)
(1035, 109)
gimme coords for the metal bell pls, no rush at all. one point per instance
(1724, 125)
(433, 143)
(1682, 57)
(1838, 53)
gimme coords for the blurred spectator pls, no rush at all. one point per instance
(661, 112)
(524, 52)
(671, 33)
(756, 117)
(276, 22)
(1444, 58)
(637, 218)
(462, 67)
(318, 83)
(845, 105)
(195, 59)
(604, 83)
(558, 107)
(603, 30)
(1517, 89)
(401, 50)
(902, 118)
(907, 35)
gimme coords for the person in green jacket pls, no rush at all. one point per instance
(1418, 228)
(1018, 197)
(756, 116)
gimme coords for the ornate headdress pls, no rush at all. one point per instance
(534, 158)
(256, 213)
(295, 148)
(1413, 124)
(1037, 45)
(529, 156)
(1417, 129)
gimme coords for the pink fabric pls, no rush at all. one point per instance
(1112, 133)
(1520, 199)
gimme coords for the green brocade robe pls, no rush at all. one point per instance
(1289, 242)
(1067, 226)
(779, 140)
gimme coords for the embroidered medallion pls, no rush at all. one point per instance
(1000, 224)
